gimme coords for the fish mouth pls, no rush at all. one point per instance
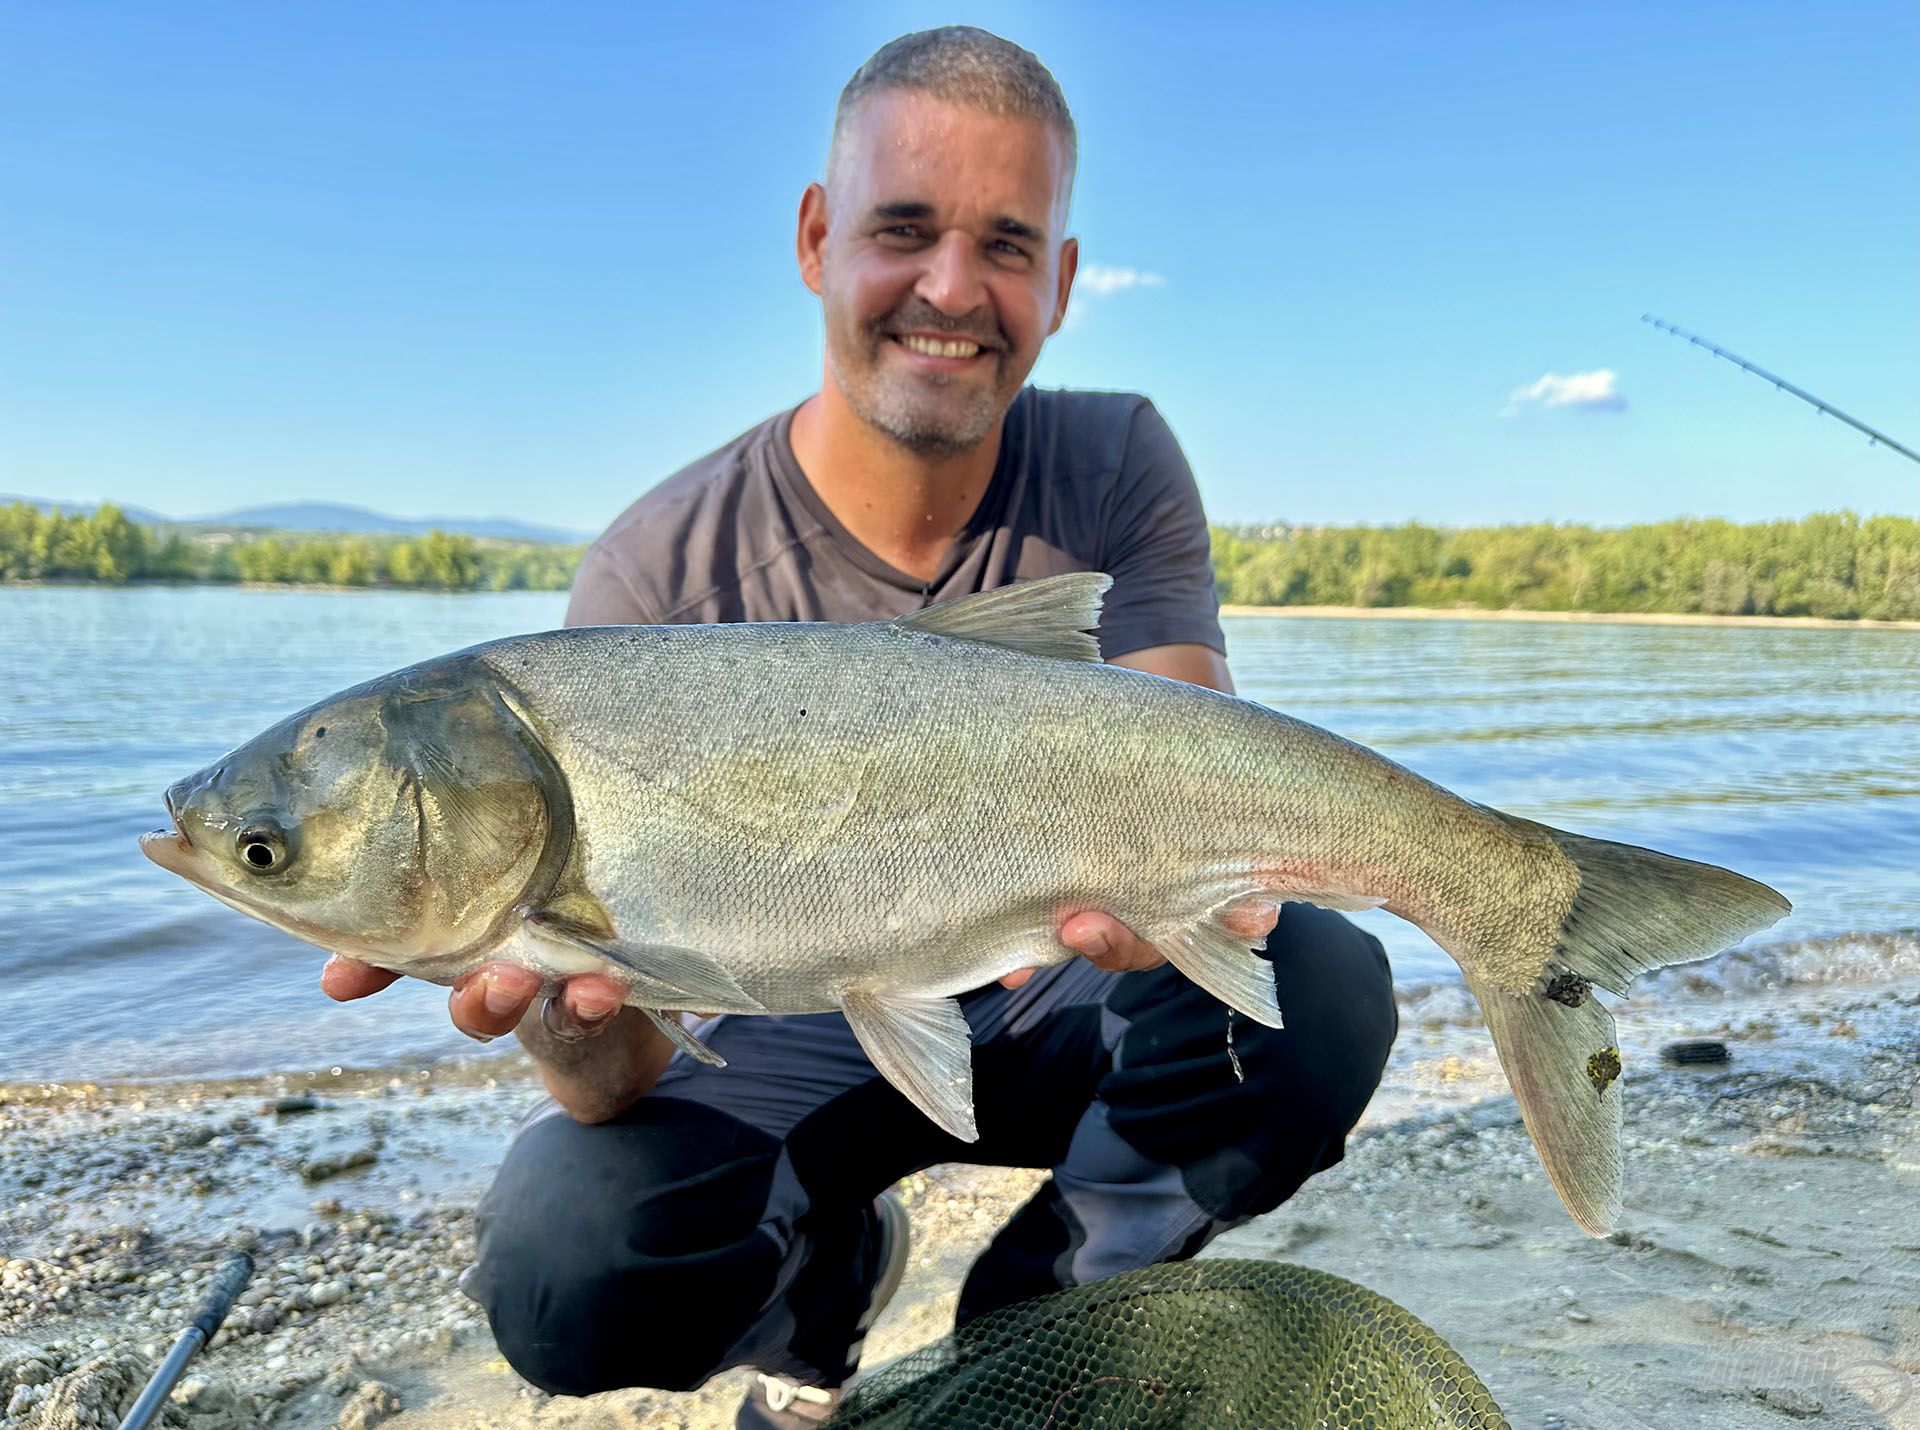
(169, 848)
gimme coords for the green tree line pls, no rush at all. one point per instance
(104, 545)
(1833, 564)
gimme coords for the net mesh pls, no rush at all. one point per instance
(1197, 1344)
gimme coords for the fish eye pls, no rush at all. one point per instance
(262, 846)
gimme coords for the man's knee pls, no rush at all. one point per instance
(626, 1254)
(1336, 991)
(1249, 1113)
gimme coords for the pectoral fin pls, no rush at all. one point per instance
(707, 985)
(923, 1047)
(685, 1041)
(1222, 963)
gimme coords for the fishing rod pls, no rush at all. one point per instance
(1874, 437)
(207, 1316)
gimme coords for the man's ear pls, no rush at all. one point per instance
(1069, 265)
(810, 242)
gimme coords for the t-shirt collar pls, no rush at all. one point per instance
(986, 516)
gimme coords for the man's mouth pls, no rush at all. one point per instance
(939, 346)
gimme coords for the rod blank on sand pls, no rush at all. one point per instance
(228, 1282)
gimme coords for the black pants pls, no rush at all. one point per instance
(726, 1218)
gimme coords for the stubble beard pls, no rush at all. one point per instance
(897, 404)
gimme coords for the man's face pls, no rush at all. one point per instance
(941, 264)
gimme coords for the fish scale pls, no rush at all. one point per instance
(977, 821)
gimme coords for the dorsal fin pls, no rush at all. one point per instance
(1048, 617)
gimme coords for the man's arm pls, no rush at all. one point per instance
(1195, 664)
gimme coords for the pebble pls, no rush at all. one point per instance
(201, 1395)
(327, 1293)
(372, 1403)
(320, 1168)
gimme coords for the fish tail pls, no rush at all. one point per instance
(1633, 910)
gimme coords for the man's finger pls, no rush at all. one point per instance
(492, 1000)
(1106, 941)
(585, 1006)
(344, 979)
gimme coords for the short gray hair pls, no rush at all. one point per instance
(962, 65)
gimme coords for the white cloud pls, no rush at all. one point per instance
(1590, 391)
(1098, 280)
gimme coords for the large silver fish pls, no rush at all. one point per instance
(791, 818)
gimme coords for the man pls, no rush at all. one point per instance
(685, 1219)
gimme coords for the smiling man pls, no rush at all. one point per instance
(683, 1218)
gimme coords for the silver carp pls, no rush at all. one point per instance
(793, 818)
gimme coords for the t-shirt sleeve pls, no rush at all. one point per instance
(1157, 548)
(603, 596)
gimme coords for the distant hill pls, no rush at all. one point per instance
(327, 516)
(331, 517)
(82, 508)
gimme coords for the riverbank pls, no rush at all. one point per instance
(1767, 1267)
(1596, 618)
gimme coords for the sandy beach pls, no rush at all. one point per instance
(1766, 1271)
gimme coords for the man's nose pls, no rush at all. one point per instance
(951, 280)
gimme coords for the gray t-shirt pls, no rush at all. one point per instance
(1086, 481)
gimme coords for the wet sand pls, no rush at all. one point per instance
(1766, 1271)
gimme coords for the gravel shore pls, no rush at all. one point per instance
(1767, 1270)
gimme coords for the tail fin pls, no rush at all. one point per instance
(1634, 910)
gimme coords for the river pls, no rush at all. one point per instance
(1791, 755)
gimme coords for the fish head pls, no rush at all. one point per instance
(403, 821)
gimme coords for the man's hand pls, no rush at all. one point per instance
(1101, 939)
(593, 1081)
(492, 1000)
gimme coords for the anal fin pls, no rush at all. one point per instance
(924, 1048)
(1222, 962)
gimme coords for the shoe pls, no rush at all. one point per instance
(779, 1402)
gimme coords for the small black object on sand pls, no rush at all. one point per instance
(1696, 1050)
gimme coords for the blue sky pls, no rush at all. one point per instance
(484, 259)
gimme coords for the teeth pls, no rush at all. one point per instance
(934, 347)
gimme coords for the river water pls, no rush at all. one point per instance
(1791, 755)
